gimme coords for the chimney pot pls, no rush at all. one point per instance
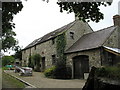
(116, 20)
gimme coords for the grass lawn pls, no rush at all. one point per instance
(10, 82)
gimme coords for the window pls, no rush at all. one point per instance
(72, 35)
(53, 60)
(110, 58)
(53, 41)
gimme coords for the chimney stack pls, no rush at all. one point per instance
(116, 20)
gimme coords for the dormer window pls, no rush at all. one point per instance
(72, 35)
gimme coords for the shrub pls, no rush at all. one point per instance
(50, 72)
(68, 73)
(60, 72)
(30, 63)
(56, 72)
(7, 60)
(109, 72)
(118, 65)
(101, 72)
(35, 61)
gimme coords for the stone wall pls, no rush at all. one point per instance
(25, 57)
(94, 58)
(114, 39)
(79, 29)
(47, 49)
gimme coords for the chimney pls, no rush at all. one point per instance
(116, 20)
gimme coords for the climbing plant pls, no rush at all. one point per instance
(61, 70)
(61, 44)
(34, 61)
(30, 62)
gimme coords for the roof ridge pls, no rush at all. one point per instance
(99, 30)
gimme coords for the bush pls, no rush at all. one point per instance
(56, 72)
(7, 60)
(109, 72)
(35, 62)
(68, 73)
(4, 68)
(118, 65)
(50, 72)
(30, 63)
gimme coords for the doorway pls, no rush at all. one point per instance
(43, 64)
(80, 66)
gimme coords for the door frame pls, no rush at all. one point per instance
(84, 69)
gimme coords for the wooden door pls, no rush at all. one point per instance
(43, 63)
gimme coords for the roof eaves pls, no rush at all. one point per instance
(83, 50)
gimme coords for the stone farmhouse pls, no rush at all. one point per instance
(84, 47)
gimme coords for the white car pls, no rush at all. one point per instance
(25, 71)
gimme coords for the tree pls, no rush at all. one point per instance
(7, 60)
(9, 9)
(85, 11)
(18, 53)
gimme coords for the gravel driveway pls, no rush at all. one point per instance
(38, 80)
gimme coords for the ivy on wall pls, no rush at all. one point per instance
(30, 62)
(34, 62)
(60, 71)
(60, 46)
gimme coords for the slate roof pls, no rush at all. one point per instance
(50, 35)
(91, 40)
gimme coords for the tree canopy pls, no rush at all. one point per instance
(85, 11)
(9, 9)
(7, 60)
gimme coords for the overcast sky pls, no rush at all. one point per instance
(38, 18)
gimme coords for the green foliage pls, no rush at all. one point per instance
(118, 65)
(35, 61)
(109, 72)
(7, 60)
(50, 72)
(4, 68)
(30, 62)
(61, 44)
(61, 72)
(18, 53)
(9, 9)
(86, 11)
(11, 82)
